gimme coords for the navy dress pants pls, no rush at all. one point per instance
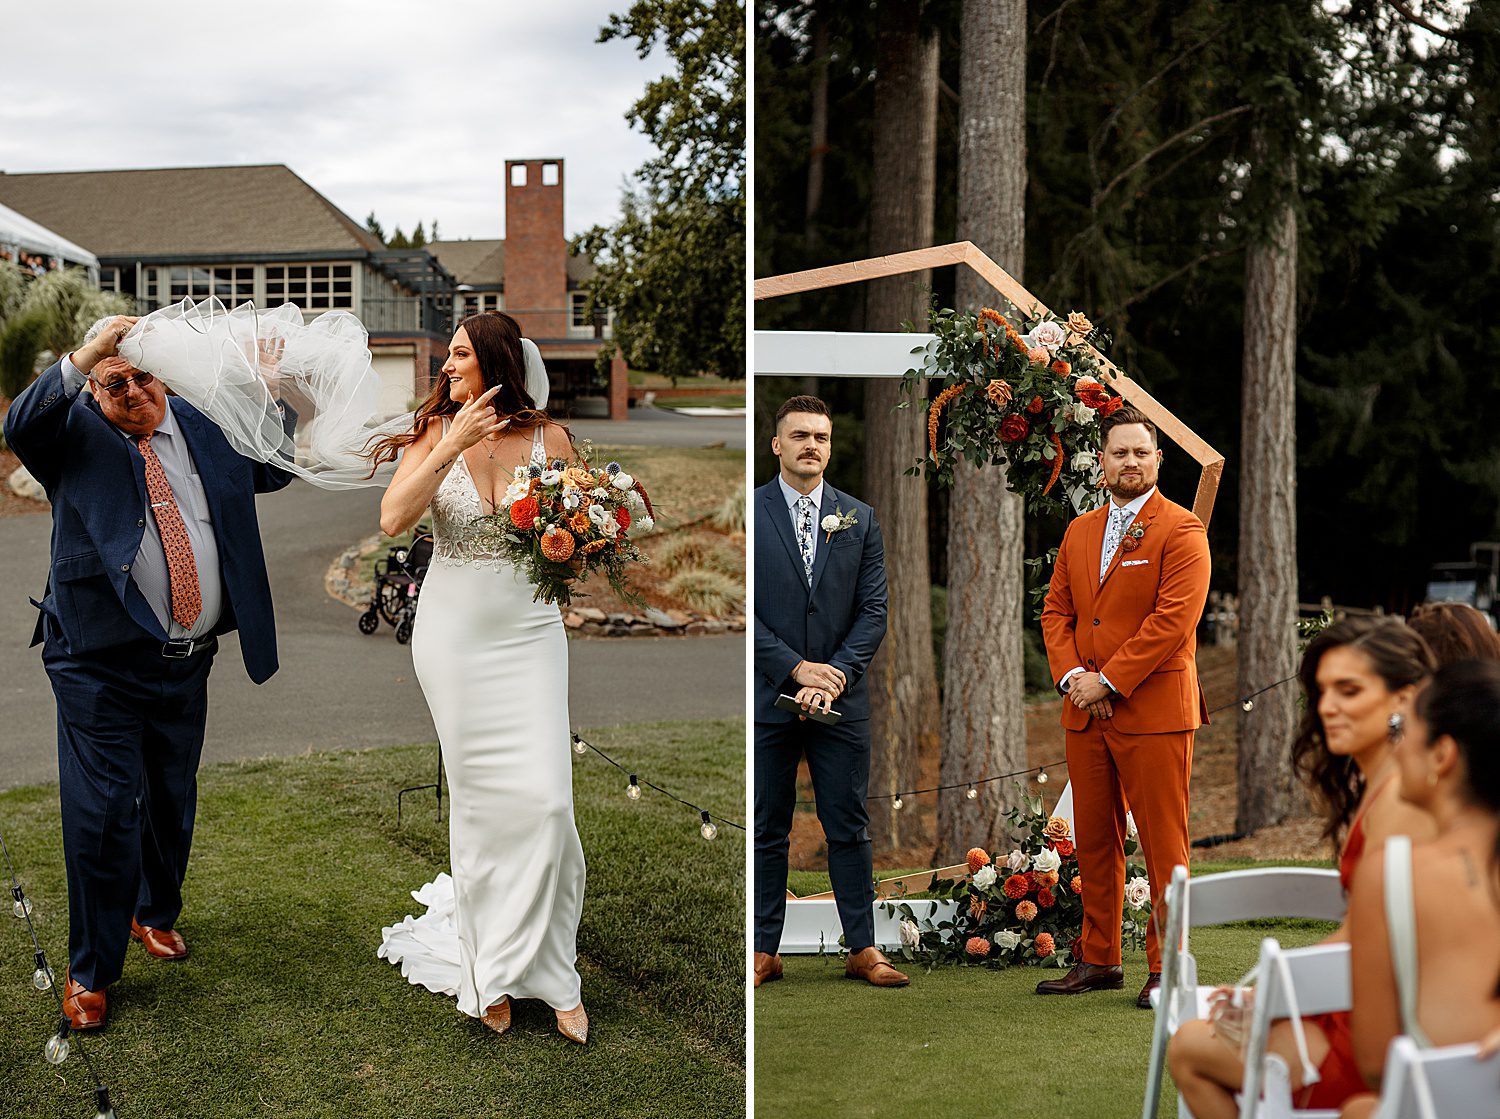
(129, 737)
(838, 759)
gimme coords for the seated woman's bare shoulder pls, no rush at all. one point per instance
(555, 438)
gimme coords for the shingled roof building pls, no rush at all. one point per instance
(261, 233)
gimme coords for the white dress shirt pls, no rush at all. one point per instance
(150, 567)
(1135, 505)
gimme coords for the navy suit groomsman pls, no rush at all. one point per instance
(820, 606)
(155, 554)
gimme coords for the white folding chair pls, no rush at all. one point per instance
(1438, 1083)
(1290, 983)
(1218, 899)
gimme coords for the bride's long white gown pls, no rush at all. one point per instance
(494, 668)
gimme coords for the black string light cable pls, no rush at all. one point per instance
(1245, 703)
(706, 826)
(58, 1045)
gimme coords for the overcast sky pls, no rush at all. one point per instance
(405, 108)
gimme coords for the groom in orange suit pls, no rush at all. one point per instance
(1119, 621)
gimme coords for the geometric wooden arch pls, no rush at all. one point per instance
(967, 253)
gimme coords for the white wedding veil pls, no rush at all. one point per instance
(302, 396)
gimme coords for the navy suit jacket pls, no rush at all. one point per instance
(839, 620)
(98, 494)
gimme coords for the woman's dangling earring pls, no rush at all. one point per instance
(1395, 726)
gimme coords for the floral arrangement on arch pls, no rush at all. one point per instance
(1025, 907)
(1032, 401)
(567, 521)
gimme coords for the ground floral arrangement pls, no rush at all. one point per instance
(566, 521)
(1026, 908)
(1032, 401)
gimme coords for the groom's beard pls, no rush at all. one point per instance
(1126, 489)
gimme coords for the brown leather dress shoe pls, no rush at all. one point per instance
(164, 944)
(767, 967)
(1153, 981)
(871, 965)
(1085, 977)
(85, 1009)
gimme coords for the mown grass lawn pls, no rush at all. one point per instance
(967, 1041)
(284, 1009)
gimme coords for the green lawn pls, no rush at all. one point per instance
(284, 1009)
(967, 1041)
(718, 400)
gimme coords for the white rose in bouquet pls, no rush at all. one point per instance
(1082, 413)
(622, 481)
(1006, 939)
(1138, 892)
(610, 528)
(1051, 336)
(1016, 861)
(984, 878)
(1046, 861)
(1130, 829)
(911, 935)
(1085, 460)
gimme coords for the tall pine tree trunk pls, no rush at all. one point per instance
(1268, 515)
(817, 146)
(984, 728)
(903, 681)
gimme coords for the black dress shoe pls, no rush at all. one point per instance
(1085, 977)
(1153, 981)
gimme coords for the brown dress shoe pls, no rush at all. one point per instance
(1085, 977)
(767, 967)
(1153, 981)
(871, 965)
(84, 1008)
(164, 944)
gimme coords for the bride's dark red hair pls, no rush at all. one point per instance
(496, 339)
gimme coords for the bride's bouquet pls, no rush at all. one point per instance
(567, 521)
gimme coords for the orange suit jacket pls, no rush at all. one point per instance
(1139, 626)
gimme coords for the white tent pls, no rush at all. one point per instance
(18, 233)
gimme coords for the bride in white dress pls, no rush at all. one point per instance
(493, 666)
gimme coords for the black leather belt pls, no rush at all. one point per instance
(185, 648)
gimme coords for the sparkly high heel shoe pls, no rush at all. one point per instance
(574, 1025)
(497, 1017)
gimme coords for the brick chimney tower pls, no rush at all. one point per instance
(536, 250)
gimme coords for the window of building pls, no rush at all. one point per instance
(234, 285)
(109, 279)
(549, 174)
(581, 318)
(518, 175)
(477, 303)
(313, 287)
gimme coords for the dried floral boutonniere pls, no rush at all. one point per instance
(838, 521)
(1133, 536)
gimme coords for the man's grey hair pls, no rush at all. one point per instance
(94, 331)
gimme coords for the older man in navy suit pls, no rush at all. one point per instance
(155, 554)
(820, 605)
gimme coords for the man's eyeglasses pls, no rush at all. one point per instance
(120, 386)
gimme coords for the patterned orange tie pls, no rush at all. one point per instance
(182, 569)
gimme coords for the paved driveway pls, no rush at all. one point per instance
(338, 689)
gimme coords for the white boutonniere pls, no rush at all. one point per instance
(838, 521)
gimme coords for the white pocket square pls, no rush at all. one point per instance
(1133, 563)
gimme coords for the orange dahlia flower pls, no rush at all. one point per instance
(978, 858)
(523, 513)
(1064, 847)
(1026, 911)
(579, 522)
(1044, 945)
(1076, 885)
(558, 544)
(977, 946)
(1046, 878)
(1016, 886)
(1045, 899)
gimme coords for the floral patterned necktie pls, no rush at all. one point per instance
(182, 568)
(1119, 518)
(805, 535)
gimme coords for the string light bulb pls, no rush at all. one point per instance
(633, 791)
(898, 803)
(580, 746)
(104, 1109)
(972, 794)
(21, 907)
(1248, 705)
(709, 830)
(41, 978)
(56, 1049)
(1041, 778)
